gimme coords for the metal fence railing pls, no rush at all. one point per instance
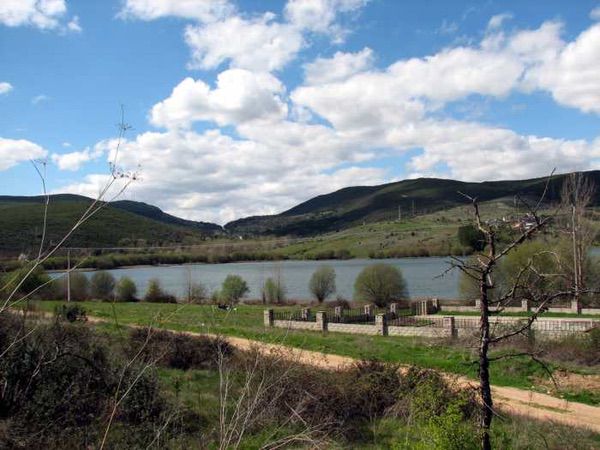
(297, 316)
(412, 321)
(351, 316)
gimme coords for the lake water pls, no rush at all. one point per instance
(421, 274)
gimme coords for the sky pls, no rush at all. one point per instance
(249, 107)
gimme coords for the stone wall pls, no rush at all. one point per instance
(429, 332)
(462, 326)
(353, 328)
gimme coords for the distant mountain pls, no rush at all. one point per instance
(354, 205)
(155, 213)
(122, 223)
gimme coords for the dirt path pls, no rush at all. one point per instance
(510, 400)
(507, 399)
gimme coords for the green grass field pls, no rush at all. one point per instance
(247, 321)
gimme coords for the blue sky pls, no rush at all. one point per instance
(249, 107)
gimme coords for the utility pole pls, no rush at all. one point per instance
(68, 275)
(399, 213)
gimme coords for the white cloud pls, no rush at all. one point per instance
(319, 16)
(15, 151)
(194, 175)
(263, 43)
(595, 13)
(200, 10)
(240, 96)
(260, 44)
(571, 74)
(338, 68)
(74, 25)
(71, 161)
(476, 152)
(496, 21)
(39, 99)
(42, 14)
(5, 87)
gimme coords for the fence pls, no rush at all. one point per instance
(393, 323)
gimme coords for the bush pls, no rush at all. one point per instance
(197, 293)
(380, 284)
(273, 291)
(322, 283)
(126, 290)
(71, 313)
(176, 350)
(233, 289)
(102, 286)
(59, 381)
(155, 294)
(35, 285)
(80, 286)
(470, 236)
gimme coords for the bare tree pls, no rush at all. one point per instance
(577, 194)
(530, 283)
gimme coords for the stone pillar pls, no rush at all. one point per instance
(268, 317)
(368, 310)
(436, 304)
(449, 326)
(381, 324)
(337, 312)
(575, 307)
(394, 308)
(478, 303)
(322, 320)
(305, 314)
(524, 305)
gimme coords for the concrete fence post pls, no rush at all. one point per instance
(381, 324)
(477, 303)
(575, 307)
(268, 317)
(524, 305)
(305, 313)
(337, 312)
(368, 310)
(322, 320)
(449, 326)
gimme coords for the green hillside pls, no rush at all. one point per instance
(129, 224)
(367, 204)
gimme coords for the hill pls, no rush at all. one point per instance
(366, 204)
(124, 223)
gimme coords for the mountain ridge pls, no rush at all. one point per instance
(353, 205)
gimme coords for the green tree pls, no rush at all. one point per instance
(80, 286)
(197, 293)
(155, 293)
(380, 284)
(470, 236)
(102, 285)
(540, 256)
(126, 290)
(274, 291)
(233, 288)
(322, 283)
(36, 285)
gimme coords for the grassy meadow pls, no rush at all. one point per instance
(247, 321)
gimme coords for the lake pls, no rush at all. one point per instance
(421, 274)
